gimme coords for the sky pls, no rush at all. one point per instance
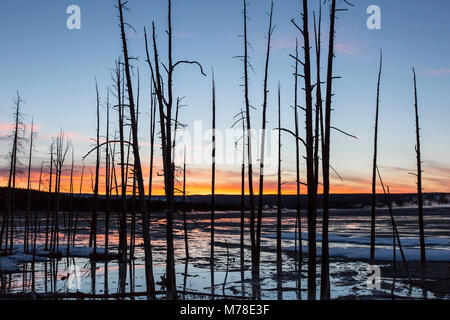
(55, 70)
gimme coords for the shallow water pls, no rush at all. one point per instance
(348, 276)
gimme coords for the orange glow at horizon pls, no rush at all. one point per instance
(227, 183)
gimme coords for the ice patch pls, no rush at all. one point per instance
(12, 262)
(381, 254)
(406, 241)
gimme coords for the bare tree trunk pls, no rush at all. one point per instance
(37, 226)
(14, 171)
(263, 142)
(93, 234)
(10, 202)
(318, 132)
(152, 147)
(279, 253)
(133, 218)
(27, 214)
(49, 207)
(62, 148)
(396, 235)
(374, 169)
(171, 277)
(77, 214)
(186, 243)
(165, 114)
(325, 274)
(107, 180)
(297, 160)
(123, 181)
(249, 149)
(325, 281)
(152, 143)
(133, 203)
(70, 207)
(242, 224)
(166, 132)
(166, 151)
(419, 184)
(311, 203)
(138, 169)
(33, 271)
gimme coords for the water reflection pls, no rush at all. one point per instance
(226, 277)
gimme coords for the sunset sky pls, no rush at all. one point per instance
(55, 68)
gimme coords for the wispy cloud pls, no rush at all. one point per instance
(347, 48)
(283, 42)
(5, 127)
(72, 136)
(437, 72)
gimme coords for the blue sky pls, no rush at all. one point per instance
(54, 69)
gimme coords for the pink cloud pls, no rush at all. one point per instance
(437, 72)
(72, 136)
(283, 42)
(78, 137)
(182, 35)
(8, 127)
(346, 48)
(5, 127)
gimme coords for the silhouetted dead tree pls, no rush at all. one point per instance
(152, 148)
(311, 202)
(50, 196)
(213, 166)
(33, 261)
(396, 234)
(137, 162)
(62, 147)
(297, 159)
(242, 206)
(186, 242)
(279, 253)
(70, 205)
(132, 218)
(107, 178)
(165, 109)
(298, 139)
(15, 168)
(28, 210)
(77, 213)
(93, 233)
(419, 182)
(40, 184)
(120, 95)
(8, 224)
(165, 123)
(263, 141)
(37, 225)
(177, 125)
(318, 130)
(325, 274)
(298, 225)
(133, 200)
(165, 114)
(152, 141)
(374, 168)
(249, 147)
